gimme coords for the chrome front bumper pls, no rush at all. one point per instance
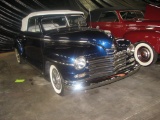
(93, 83)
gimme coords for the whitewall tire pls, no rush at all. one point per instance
(18, 57)
(144, 54)
(56, 80)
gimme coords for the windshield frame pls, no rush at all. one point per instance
(51, 17)
(78, 15)
(66, 18)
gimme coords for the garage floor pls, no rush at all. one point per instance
(134, 98)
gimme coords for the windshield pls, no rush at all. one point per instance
(76, 20)
(61, 21)
(50, 23)
(130, 15)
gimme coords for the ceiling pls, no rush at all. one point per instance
(12, 11)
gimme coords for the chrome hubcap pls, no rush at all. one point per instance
(144, 54)
(56, 79)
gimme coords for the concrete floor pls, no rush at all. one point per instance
(134, 98)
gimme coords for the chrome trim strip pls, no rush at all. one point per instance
(65, 41)
(52, 40)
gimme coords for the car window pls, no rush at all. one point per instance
(54, 22)
(129, 15)
(108, 17)
(33, 25)
(76, 20)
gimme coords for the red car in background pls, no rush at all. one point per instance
(132, 25)
(152, 12)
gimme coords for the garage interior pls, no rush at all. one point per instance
(32, 98)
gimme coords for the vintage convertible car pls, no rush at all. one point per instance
(131, 25)
(70, 54)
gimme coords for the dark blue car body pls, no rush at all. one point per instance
(107, 59)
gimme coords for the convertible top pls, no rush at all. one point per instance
(95, 14)
(41, 13)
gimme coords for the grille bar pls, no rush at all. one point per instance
(102, 59)
(108, 65)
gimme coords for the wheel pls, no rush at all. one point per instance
(145, 54)
(56, 80)
(18, 57)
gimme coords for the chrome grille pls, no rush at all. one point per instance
(110, 51)
(108, 65)
(119, 60)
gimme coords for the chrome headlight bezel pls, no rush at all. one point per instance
(130, 49)
(80, 63)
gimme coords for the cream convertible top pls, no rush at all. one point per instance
(25, 20)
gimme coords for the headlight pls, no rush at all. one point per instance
(80, 63)
(130, 49)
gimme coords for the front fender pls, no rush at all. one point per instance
(63, 57)
(148, 36)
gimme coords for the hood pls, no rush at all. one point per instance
(143, 25)
(82, 35)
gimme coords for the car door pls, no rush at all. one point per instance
(33, 43)
(109, 21)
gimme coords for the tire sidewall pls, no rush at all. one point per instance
(17, 53)
(139, 45)
(52, 67)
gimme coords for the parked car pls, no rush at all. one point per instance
(72, 55)
(131, 25)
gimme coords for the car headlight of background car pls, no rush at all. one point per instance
(80, 63)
